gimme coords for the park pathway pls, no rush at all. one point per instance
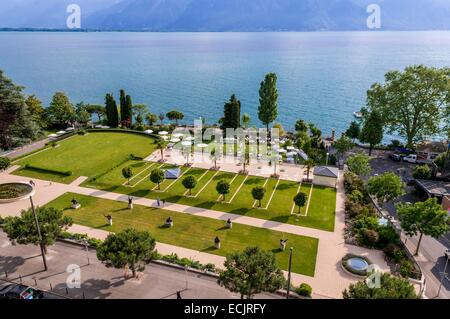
(328, 282)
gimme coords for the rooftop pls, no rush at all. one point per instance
(326, 171)
(436, 188)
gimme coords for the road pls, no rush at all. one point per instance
(432, 259)
(99, 282)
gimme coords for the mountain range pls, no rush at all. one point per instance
(228, 15)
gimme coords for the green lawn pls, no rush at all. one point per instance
(190, 231)
(89, 155)
(321, 210)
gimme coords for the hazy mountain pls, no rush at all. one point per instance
(228, 15)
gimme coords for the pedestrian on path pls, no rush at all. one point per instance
(179, 295)
(163, 202)
(109, 218)
(158, 202)
(32, 183)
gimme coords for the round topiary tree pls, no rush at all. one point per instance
(127, 173)
(157, 177)
(189, 182)
(370, 236)
(300, 200)
(258, 194)
(223, 188)
(4, 163)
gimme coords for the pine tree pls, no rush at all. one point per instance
(123, 108)
(129, 110)
(232, 113)
(112, 114)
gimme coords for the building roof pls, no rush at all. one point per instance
(436, 188)
(172, 173)
(326, 171)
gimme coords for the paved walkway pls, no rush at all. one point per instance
(329, 280)
(26, 149)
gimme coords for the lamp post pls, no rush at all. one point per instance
(289, 273)
(39, 233)
(443, 276)
(328, 154)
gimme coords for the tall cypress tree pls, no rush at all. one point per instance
(232, 113)
(129, 112)
(123, 109)
(268, 100)
(112, 114)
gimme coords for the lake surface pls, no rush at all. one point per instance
(322, 77)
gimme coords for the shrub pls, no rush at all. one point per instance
(388, 235)
(365, 222)
(394, 253)
(47, 170)
(422, 172)
(353, 182)
(369, 237)
(4, 163)
(81, 132)
(304, 290)
(356, 196)
(407, 269)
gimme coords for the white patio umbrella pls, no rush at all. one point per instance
(61, 132)
(52, 135)
(148, 131)
(186, 143)
(162, 133)
(177, 135)
(174, 140)
(202, 146)
(188, 138)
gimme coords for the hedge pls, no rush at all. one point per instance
(47, 170)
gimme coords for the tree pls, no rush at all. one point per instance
(189, 182)
(161, 146)
(175, 116)
(98, 110)
(161, 117)
(157, 176)
(130, 249)
(23, 229)
(343, 144)
(391, 287)
(129, 112)
(60, 110)
(385, 187)
(412, 103)
(246, 119)
(301, 126)
(223, 188)
(112, 114)
(214, 156)
(353, 130)
(423, 218)
(151, 119)
(251, 272)
(372, 130)
(37, 111)
(268, 100)
(140, 112)
(124, 120)
(231, 113)
(303, 141)
(82, 116)
(300, 200)
(309, 163)
(16, 124)
(127, 173)
(4, 163)
(422, 172)
(258, 194)
(359, 164)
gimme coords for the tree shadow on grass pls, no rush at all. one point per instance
(239, 211)
(280, 219)
(206, 205)
(140, 193)
(283, 187)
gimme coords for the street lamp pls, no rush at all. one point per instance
(328, 154)
(443, 275)
(289, 273)
(39, 233)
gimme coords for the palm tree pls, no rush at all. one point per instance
(161, 145)
(310, 163)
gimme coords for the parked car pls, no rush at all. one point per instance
(413, 158)
(19, 291)
(395, 157)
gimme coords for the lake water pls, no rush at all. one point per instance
(322, 77)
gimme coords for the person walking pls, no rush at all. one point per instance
(179, 295)
(109, 218)
(158, 202)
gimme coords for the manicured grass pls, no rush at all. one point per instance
(190, 231)
(89, 155)
(204, 195)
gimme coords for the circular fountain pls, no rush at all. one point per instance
(356, 265)
(15, 191)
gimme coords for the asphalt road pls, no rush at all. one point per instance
(97, 282)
